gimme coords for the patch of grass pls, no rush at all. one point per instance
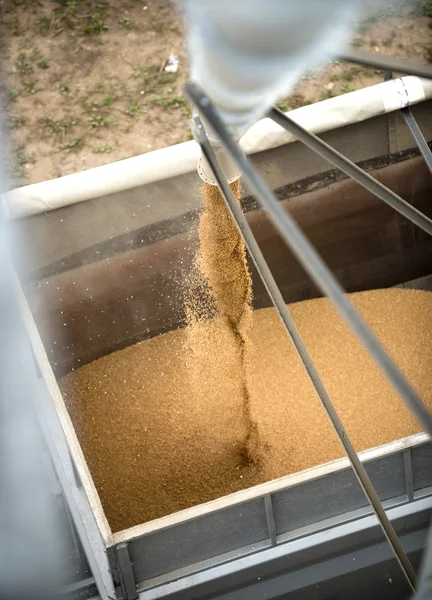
(58, 125)
(351, 72)
(21, 157)
(346, 88)
(137, 71)
(20, 160)
(102, 149)
(97, 25)
(64, 19)
(72, 4)
(44, 23)
(326, 95)
(16, 121)
(187, 111)
(108, 100)
(35, 54)
(133, 110)
(284, 107)
(172, 102)
(127, 23)
(63, 88)
(43, 63)
(31, 87)
(101, 121)
(22, 65)
(24, 43)
(74, 145)
(109, 96)
(13, 95)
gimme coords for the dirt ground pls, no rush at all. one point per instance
(84, 84)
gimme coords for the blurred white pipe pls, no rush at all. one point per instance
(182, 158)
(248, 54)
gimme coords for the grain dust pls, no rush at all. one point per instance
(153, 448)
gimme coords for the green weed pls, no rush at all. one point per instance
(31, 87)
(43, 63)
(22, 65)
(346, 88)
(96, 26)
(127, 23)
(13, 95)
(43, 23)
(58, 126)
(133, 110)
(284, 107)
(21, 159)
(101, 121)
(102, 149)
(72, 4)
(16, 121)
(169, 102)
(73, 145)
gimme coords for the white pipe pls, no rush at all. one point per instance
(182, 158)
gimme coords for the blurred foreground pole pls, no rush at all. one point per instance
(30, 543)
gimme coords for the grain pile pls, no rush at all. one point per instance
(221, 265)
(152, 450)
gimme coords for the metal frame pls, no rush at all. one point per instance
(314, 265)
(315, 557)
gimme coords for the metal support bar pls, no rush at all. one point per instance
(408, 472)
(310, 259)
(292, 331)
(352, 170)
(418, 136)
(271, 525)
(125, 571)
(387, 63)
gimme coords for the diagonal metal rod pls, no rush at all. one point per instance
(352, 170)
(387, 63)
(292, 331)
(418, 136)
(310, 259)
